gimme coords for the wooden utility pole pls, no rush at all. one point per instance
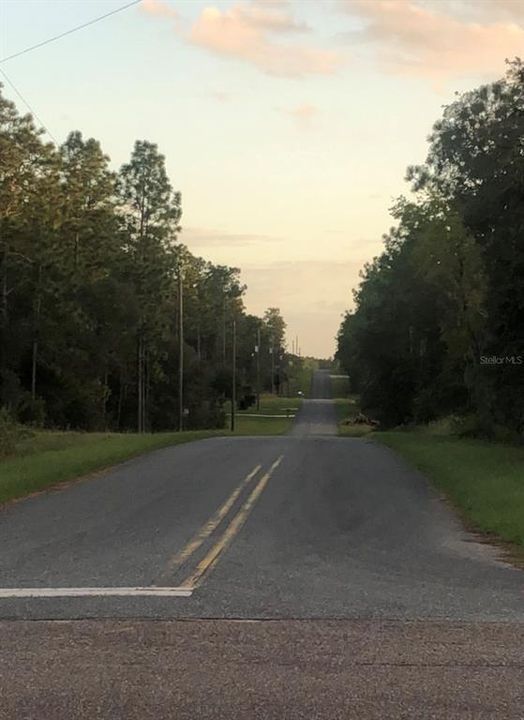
(36, 331)
(224, 330)
(258, 368)
(140, 379)
(234, 377)
(199, 343)
(180, 351)
(272, 351)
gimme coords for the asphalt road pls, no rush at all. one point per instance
(369, 599)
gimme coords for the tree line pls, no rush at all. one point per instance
(437, 327)
(92, 278)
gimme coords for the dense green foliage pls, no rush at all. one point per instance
(438, 324)
(89, 295)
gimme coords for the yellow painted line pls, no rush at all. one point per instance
(210, 526)
(230, 532)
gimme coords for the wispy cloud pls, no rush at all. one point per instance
(261, 34)
(255, 34)
(220, 96)
(195, 237)
(303, 115)
(312, 295)
(159, 8)
(498, 9)
(433, 40)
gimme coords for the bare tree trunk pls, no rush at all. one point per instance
(140, 384)
(4, 313)
(76, 250)
(180, 351)
(144, 380)
(33, 369)
(121, 393)
(199, 348)
(224, 332)
(145, 404)
(36, 333)
(106, 397)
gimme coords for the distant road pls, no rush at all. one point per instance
(333, 539)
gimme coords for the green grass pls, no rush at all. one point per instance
(484, 480)
(273, 405)
(49, 458)
(269, 405)
(346, 408)
(46, 458)
(261, 425)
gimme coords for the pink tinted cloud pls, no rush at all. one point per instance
(500, 9)
(220, 96)
(209, 238)
(268, 16)
(159, 8)
(256, 33)
(415, 38)
(303, 115)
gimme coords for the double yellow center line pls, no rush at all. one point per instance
(195, 578)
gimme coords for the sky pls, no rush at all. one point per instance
(286, 125)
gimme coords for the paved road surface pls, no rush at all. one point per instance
(375, 602)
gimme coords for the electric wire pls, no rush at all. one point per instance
(68, 32)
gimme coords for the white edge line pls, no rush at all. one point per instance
(95, 592)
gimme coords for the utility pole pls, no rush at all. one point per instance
(234, 379)
(199, 343)
(180, 351)
(258, 368)
(140, 378)
(224, 330)
(272, 352)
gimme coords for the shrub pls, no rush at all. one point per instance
(11, 433)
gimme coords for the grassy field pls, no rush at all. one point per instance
(49, 458)
(261, 425)
(484, 480)
(273, 405)
(246, 424)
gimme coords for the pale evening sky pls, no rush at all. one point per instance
(287, 126)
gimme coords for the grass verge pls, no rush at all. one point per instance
(252, 422)
(484, 480)
(261, 425)
(50, 458)
(46, 458)
(346, 408)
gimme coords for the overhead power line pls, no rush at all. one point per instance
(68, 32)
(28, 106)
